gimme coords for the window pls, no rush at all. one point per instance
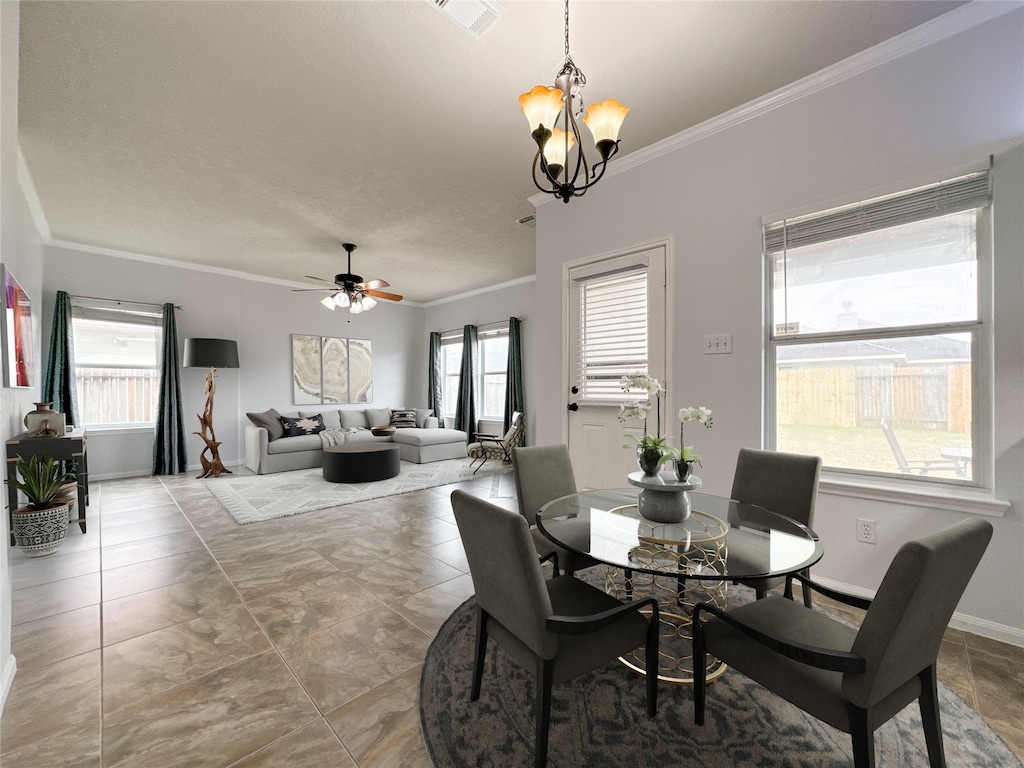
(875, 329)
(611, 312)
(494, 367)
(451, 361)
(117, 361)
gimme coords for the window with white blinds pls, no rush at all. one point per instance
(875, 352)
(611, 316)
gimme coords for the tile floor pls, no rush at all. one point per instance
(169, 635)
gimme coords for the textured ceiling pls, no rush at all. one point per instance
(257, 136)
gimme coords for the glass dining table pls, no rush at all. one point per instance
(680, 564)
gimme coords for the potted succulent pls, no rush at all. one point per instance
(40, 526)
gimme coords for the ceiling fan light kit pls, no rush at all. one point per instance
(350, 291)
(560, 159)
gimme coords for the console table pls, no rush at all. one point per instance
(69, 447)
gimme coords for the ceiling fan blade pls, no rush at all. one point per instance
(383, 295)
(300, 290)
(374, 284)
(322, 280)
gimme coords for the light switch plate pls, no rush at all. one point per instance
(720, 344)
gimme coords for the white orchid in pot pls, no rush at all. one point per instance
(684, 456)
(649, 448)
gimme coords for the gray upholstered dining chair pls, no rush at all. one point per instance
(544, 473)
(853, 679)
(786, 483)
(557, 629)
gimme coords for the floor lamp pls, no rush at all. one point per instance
(212, 354)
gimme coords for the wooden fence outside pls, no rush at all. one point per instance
(118, 396)
(936, 397)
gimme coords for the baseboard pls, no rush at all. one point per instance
(7, 678)
(192, 468)
(981, 627)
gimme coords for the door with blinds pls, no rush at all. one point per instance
(616, 327)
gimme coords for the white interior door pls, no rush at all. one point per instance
(616, 326)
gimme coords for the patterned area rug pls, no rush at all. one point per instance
(600, 719)
(253, 498)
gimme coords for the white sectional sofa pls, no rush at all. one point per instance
(268, 449)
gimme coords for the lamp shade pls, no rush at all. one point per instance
(605, 119)
(211, 353)
(541, 106)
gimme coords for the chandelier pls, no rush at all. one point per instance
(564, 169)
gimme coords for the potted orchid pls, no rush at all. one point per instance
(649, 448)
(684, 456)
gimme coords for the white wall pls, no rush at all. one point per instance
(483, 308)
(261, 317)
(900, 123)
(21, 251)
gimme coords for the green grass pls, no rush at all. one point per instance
(866, 447)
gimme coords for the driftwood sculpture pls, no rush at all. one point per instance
(212, 467)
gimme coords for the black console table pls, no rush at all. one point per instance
(69, 447)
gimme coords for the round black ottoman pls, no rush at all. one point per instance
(361, 462)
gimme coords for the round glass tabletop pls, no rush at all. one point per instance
(721, 538)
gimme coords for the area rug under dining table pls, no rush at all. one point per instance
(254, 498)
(600, 719)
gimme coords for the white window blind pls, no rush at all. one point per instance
(612, 331)
(959, 194)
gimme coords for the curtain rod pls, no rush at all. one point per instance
(484, 326)
(122, 301)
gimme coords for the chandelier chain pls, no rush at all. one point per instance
(567, 30)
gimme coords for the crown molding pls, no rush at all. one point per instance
(478, 291)
(35, 207)
(947, 25)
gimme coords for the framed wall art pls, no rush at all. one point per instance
(306, 370)
(17, 333)
(328, 369)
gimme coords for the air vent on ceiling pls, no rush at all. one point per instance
(529, 220)
(474, 16)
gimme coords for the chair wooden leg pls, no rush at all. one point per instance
(759, 594)
(480, 652)
(700, 670)
(545, 676)
(863, 736)
(929, 703)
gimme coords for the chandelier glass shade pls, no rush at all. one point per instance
(561, 166)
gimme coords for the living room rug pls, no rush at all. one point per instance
(600, 719)
(254, 498)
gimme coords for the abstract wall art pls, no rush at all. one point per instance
(17, 333)
(328, 369)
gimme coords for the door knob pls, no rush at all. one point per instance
(574, 406)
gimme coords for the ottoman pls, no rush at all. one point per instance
(421, 446)
(361, 462)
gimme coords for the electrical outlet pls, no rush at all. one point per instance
(720, 344)
(866, 530)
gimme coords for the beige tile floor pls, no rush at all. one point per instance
(169, 635)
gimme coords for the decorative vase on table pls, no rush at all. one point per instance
(649, 458)
(44, 421)
(684, 469)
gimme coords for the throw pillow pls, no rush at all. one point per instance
(308, 425)
(378, 417)
(421, 416)
(354, 419)
(403, 419)
(270, 421)
(331, 418)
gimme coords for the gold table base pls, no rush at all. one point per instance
(690, 548)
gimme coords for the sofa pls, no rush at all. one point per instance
(280, 442)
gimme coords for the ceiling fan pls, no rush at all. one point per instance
(348, 290)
